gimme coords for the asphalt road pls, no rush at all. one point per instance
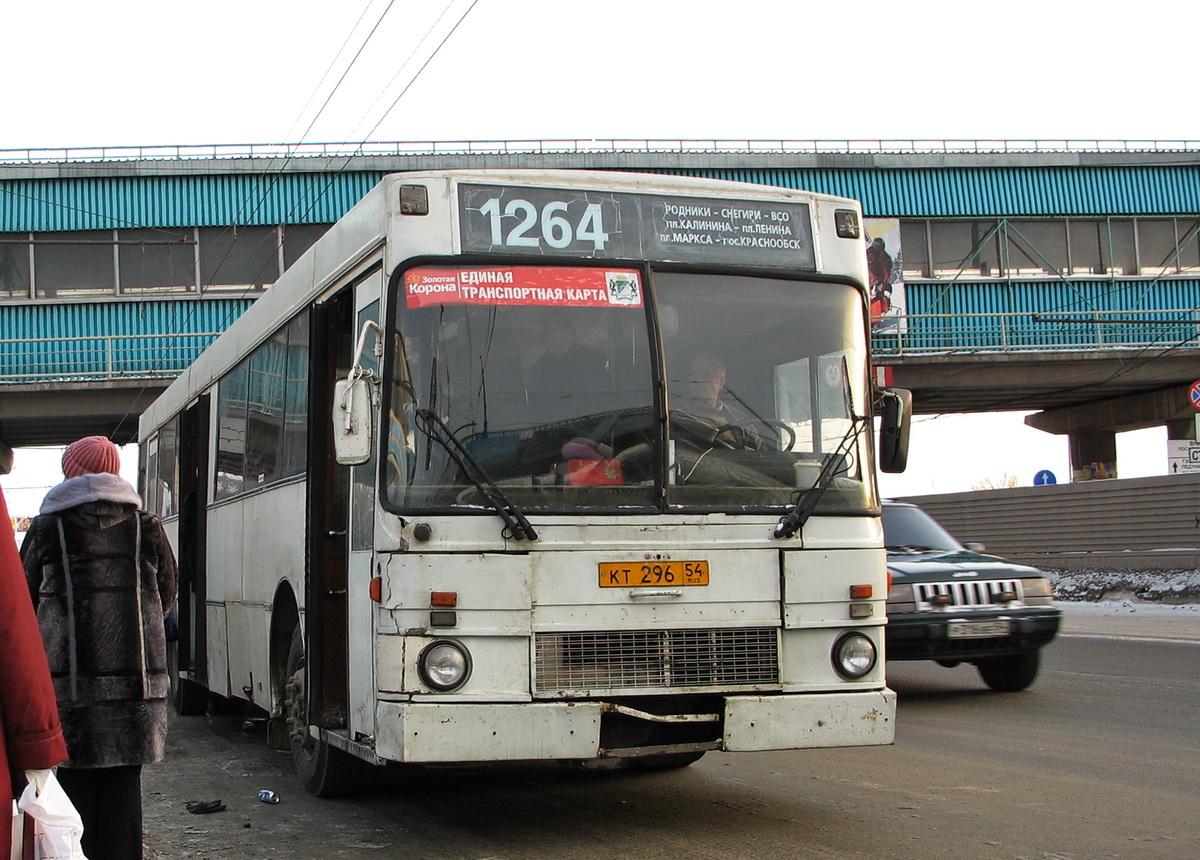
(1099, 759)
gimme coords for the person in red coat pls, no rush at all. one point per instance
(33, 739)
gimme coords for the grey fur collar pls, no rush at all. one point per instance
(90, 488)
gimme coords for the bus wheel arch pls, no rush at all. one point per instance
(324, 770)
(285, 623)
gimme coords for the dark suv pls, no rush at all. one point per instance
(952, 604)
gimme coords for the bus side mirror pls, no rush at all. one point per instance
(893, 429)
(352, 421)
(353, 401)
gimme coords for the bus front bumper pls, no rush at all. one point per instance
(461, 733)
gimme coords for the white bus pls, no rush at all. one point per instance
(540, 465)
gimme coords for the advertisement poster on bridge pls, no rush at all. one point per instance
(885, 272)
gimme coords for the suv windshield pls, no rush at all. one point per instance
(908, 527)
(548, 378)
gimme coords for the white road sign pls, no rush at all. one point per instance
(1183, 457)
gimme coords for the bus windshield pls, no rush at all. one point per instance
(574, 388)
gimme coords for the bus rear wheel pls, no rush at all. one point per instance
(324, 770)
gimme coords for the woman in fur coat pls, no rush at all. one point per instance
(102, 577)
(28, 712)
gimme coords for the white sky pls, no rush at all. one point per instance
(148, 73)
(144, 72)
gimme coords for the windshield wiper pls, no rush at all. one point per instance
(516, 526)
(810, 498)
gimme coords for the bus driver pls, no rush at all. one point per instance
(707, 398)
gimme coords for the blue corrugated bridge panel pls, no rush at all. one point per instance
(161, 337)
(101, 340)
(107, 203)
(102, 203)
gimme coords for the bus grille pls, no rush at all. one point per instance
(985, 594)
(576, 662)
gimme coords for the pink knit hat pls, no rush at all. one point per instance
(91, 455)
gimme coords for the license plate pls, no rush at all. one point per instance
(977, 629)
(653, 573)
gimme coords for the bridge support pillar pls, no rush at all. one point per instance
(1092, 428)
(1184, 428)
(1093, 455)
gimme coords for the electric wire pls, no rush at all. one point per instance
(417, 47)
(242, 215)
(325, 75)
(424, 66)
(349, 159)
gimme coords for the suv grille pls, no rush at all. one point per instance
(640, 659)
(972, 593)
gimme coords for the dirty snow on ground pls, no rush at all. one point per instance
(1167, 587)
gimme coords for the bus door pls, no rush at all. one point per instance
(339, 612)
(192, 493)
(328, 512)
(360, 607)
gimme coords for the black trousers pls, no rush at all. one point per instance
(109, 800)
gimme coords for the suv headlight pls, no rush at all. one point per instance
(901, 598)
(854, 655)
(1037, 591)
(444, 665)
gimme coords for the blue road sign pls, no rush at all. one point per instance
(1045, 477)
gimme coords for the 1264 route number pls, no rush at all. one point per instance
(551, 224)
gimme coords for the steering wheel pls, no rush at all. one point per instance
(745, 435)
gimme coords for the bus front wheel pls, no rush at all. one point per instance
(325, 771)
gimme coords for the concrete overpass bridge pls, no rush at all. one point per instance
(1062, 277)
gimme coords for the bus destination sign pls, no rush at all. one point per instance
(610, 225)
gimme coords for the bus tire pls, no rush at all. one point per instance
(1010, 674)
(324, 770)
(187, 697)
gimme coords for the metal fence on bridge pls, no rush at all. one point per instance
(186, 152)
(1029, 331)
(149, 356)
(166, 354)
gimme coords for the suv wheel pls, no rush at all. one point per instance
(1010, 674)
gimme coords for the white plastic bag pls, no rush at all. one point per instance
(57, 828)
(18, 828)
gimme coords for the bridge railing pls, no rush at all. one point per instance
(125, 356)
(1036, 331)
(579, 145)
(136, 356)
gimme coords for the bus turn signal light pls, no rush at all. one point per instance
(861, 592)
(376, 589)
(443, 598)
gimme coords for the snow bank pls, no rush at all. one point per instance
(1153, 586)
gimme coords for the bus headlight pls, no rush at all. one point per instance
(444, 665)
(853, 656)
